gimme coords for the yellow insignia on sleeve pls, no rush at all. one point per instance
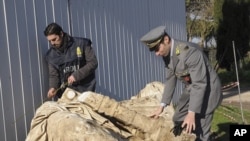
(177, 51)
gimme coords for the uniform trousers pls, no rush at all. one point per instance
(202, 121)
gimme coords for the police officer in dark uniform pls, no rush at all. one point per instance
(71, 62)
(202, 94)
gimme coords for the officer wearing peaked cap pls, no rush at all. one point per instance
(154, 37)
(186, 61)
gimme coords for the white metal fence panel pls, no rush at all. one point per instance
(114, 26)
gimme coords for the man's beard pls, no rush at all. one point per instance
(62, 45)
(56, 45)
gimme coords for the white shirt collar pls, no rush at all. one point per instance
(172, 47)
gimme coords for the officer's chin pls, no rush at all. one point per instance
(55, 46)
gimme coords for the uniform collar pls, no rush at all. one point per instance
(172, 47)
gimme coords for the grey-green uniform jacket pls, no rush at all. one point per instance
(205, 88)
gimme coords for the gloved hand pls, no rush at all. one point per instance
(177, 129)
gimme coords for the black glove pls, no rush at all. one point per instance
(177, 129)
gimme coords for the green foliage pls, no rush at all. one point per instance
(232, 24)
(200, 20)
(230, 76)
(227, 76)
(247, 64)
(218, 12)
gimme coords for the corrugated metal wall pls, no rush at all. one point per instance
(115, 27)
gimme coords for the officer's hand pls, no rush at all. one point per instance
(51, 92)
(189, 122)
(71, 79)
(157, 112)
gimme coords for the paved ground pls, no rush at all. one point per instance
(235, 95)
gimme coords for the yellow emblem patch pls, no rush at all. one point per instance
(78, 52)
(177, 51)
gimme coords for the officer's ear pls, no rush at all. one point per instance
(61, 35)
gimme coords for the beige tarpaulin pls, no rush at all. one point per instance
(93, 117)
(55, 122)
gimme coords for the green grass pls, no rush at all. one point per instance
(224, 116)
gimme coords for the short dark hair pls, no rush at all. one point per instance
(53, 28)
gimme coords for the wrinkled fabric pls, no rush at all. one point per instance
(38, 130)
(56, 122)
(90, 116)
